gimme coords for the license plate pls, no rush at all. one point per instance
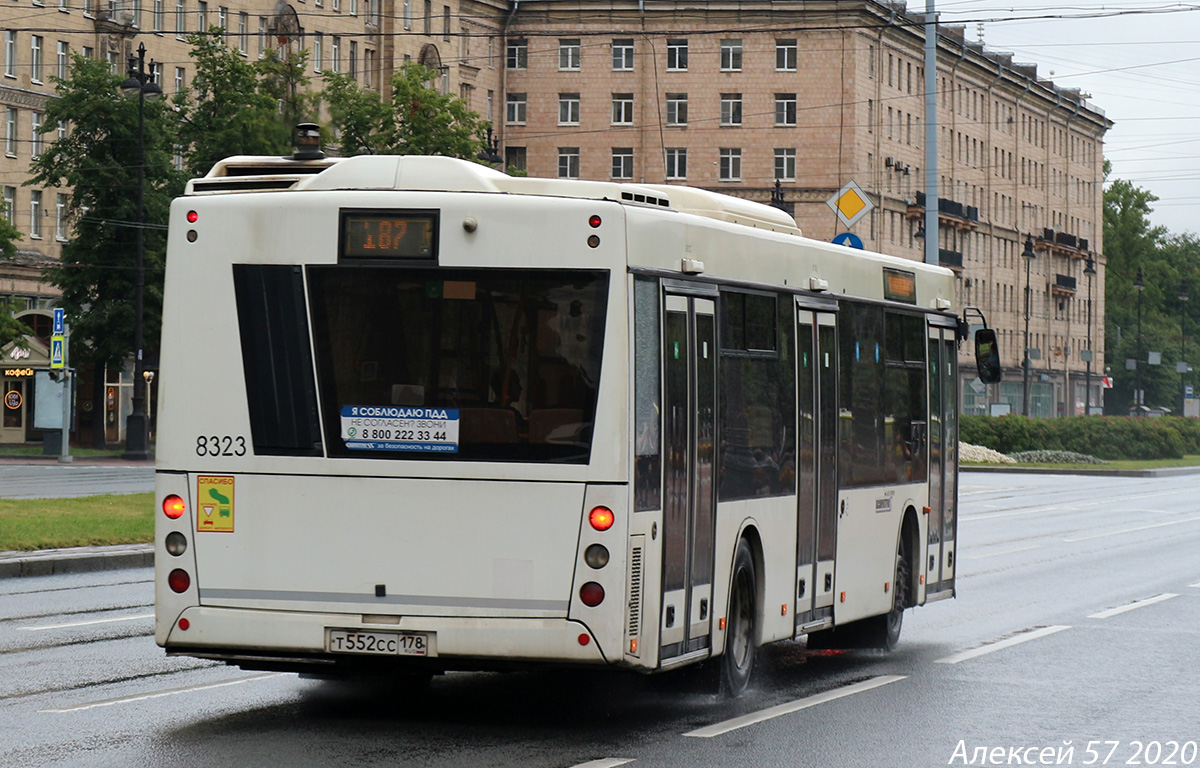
(379, 643)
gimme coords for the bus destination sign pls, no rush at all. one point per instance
(388, 235)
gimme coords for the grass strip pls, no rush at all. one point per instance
(28, 524)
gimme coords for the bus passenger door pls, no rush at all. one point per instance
(690, 357)
(943, 463)
(816, 513)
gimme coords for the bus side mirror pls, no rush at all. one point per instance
(987, 355)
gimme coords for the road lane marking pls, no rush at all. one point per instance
(605, 762)
(87, 623)
(1003, 552)
(159, 694)
(1132, 530)
(1000, 645)
(1196, 585)
(792, 706)
(1133, 606)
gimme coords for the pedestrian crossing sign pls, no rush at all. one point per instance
(58, 351)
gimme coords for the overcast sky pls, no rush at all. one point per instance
(1139, 60)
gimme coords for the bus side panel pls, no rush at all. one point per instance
(868, 525)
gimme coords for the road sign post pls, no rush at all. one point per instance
(62, 335)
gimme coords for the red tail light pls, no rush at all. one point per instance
(592, 594)
(173, 507)
(179, 581)
(601, 518)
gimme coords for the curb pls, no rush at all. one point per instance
(48, 562)
(1159, 472)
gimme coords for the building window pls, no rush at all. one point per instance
(515, 109)
(10, 132)
(731, 164)
(63, 61)
(445, 22)
(180, 79)
(354, 60)
(568, 109)
(622, 113)
(428, 28)
(731, 55)
(622, 51)
(731, 109)
(35, 58)
(318, 59)
(263, 45)
(677, 109)
(60, 216)
(202, 16)
(335, 53)
(785, 109)
(785, 55)
(180, 18)
(243, 33)
(36, 133)
(569, 54)
(514, 158)
(785, 164)
(677, 163)
(518, 54)
(222, 17)
(677, 55)
(157, 16)
(10, 205)
(568, 162)
(10, 53)
(35, 213)
(622, 163)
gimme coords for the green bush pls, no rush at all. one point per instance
(1105, 437)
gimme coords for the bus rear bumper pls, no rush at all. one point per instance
(293, 641)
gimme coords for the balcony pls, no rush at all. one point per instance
(1063, 244)
(951, 259)
(1063, 285)
(950, 212)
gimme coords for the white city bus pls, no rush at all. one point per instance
(418, 415)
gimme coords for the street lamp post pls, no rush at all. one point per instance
(1183, 298)
(141, 85)
(1029, 257)
(1139, 397)
(1090, 271)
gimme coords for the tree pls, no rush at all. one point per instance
(228, 109)
(1166, 262)
(417, 121)
(10, 327)
(98, 159)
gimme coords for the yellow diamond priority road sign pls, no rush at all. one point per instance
(850, 204)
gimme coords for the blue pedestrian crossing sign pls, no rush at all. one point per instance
(58, 351)
(59, 318)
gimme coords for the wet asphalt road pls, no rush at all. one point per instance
(22, 480)
(1078, 623)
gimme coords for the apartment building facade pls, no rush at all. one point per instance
(740, 96)
(367, 39)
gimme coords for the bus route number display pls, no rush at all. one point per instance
(388, 235)
(396, 428)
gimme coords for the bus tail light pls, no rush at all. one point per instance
(601, 518)
(176, 543)
(173, 507)
(592, 594)
(596, 556)
(179, 581)
(192, 217)
(593, 221)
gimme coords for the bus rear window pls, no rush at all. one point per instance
(499, 365)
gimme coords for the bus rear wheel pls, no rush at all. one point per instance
(737, 663)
